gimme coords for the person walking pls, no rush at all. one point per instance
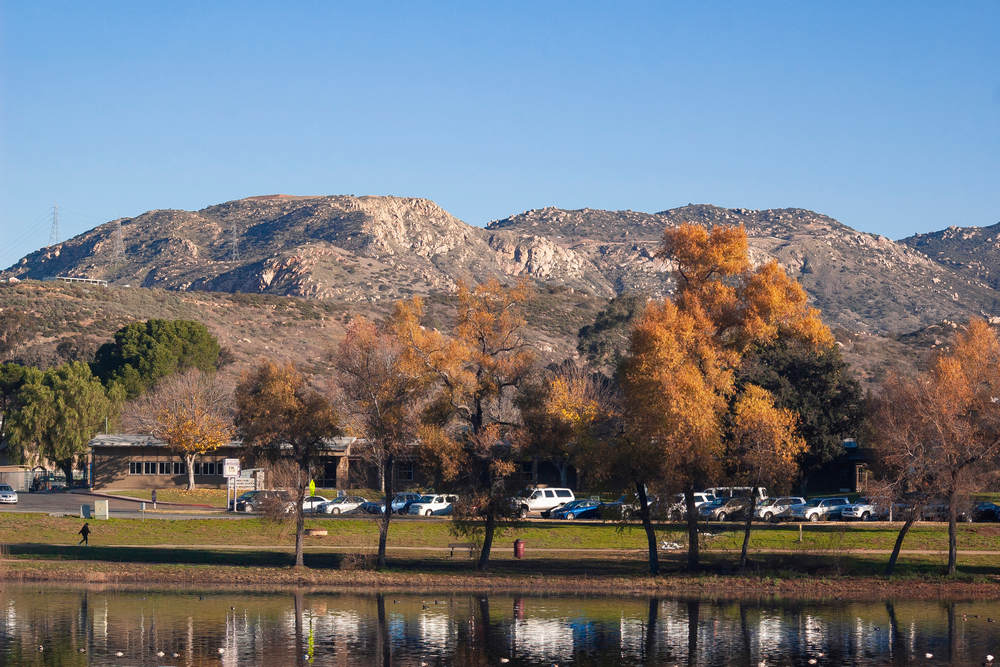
(85, 531)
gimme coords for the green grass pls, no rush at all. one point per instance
(363, 532)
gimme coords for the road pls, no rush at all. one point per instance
(69, 503)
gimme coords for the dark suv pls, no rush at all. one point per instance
(732, 508)
(255, 501)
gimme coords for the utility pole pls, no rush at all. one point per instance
(54, 231)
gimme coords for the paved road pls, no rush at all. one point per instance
(69, 503)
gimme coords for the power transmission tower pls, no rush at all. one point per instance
(234, 242)
(54, 231)
(119, 244)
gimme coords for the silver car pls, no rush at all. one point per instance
(818, 509)
(7, 494)
(342, 505)
(861, 509)
(774, 509)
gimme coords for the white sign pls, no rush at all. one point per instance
(230, 467)
(245, 483)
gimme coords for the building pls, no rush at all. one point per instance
(135, 461)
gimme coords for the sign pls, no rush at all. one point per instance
(230, 467)
(312, 487)
(245, 484)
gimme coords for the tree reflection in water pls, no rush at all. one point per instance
(89, 626)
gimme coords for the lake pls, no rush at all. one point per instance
(52, 625)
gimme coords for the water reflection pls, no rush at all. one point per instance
(42, 625)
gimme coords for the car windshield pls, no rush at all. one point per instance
(767, 502)
(425, 499)
(5, 487)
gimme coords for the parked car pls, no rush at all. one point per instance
(256, 501)
(817, 509)
(402, 501)
(678, 508)
(342, 505)
(985, 511)
(433, 505)
(735, 492)
(7, 494)
(773, 509)
(578, 509)
(312, 503)
(863, 509)
(937, 510)
(725, 509)
(372, 507)
(539, 500)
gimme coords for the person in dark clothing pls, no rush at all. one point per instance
(85, 531)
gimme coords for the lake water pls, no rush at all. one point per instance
(78, 626)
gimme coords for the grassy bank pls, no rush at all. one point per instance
(363, 533)
(812, 578)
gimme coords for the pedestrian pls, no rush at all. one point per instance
(85, 531)
(154, 498)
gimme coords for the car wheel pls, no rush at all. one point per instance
(248, 508)
(865, 516)
(675, 516)
(335, 510)
(524, 512)
(571, 516)
(814, 517)
(768, 516)
(428, 513)
(722, 516)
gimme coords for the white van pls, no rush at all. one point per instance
(736, 492)
(541, 499)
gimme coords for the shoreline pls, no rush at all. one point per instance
(681, 585)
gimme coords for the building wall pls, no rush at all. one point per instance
(110, 469)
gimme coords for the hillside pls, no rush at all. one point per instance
(970, 251)
(69, 321)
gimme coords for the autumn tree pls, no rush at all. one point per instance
(469, 429)
(678, 379)
(190, 411)
(281, 416)
(762, 449)
(950, 422)
(59, 411)
(383, 395)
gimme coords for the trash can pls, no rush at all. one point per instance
(519, 548)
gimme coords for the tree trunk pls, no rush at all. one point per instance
(652, 616)
(189, 462)
(899, 540)
(747, 525)
(488, 530)
(299, 603)
(300, 519)
(647, 524)
(67, 468)
(952, 529)
(692, 517)
(692, 614)
(563, 474)
(383, 527)
(383, 631)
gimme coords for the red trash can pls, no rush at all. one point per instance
(519, 548)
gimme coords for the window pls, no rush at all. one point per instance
(550, 494)
(165, 467)
(149, 467)
(563, 493)
(135, 467)
(404, 471)
(208, 468)
(180, 468)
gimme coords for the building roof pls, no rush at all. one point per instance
(142, 440)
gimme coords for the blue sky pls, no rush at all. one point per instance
(883, 115)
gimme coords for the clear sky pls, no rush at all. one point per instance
(884, 115)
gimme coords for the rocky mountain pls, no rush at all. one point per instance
(973, 252)
(374, 250)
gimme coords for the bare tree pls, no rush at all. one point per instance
(190, 411)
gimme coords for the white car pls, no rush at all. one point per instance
(313, 503)
(541, 500)
(7, 494)
(342, 505)
(432, 504)
(775, 508)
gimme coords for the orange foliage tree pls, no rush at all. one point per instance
(939, 432)
(383, 397)
(190, 411)
(678, 378)
(469, 430)
(280, 415)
